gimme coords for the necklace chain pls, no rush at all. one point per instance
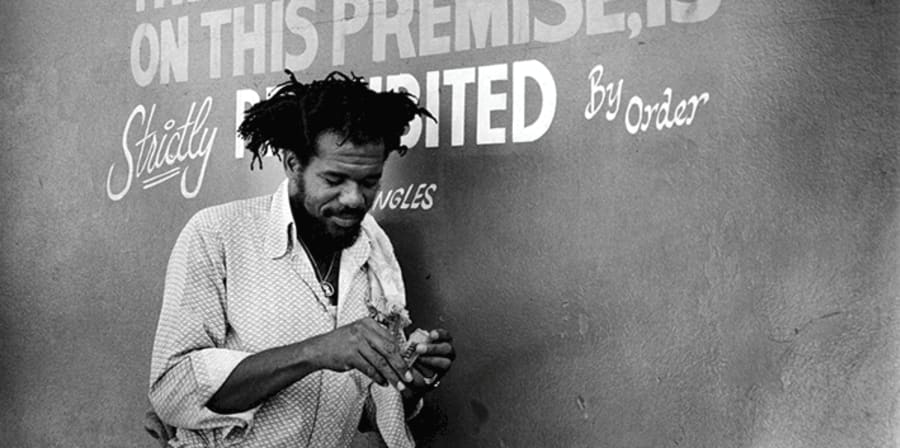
(326, 286)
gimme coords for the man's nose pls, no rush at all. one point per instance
(352, 196)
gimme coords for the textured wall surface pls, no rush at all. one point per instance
(732, 282)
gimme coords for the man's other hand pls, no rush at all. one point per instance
(435, 358)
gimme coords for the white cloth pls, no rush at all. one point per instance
(237, 283)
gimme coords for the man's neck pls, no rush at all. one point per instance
(317, 244)
(324, 257)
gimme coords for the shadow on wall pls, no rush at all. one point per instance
(457, 411)
(423, 305)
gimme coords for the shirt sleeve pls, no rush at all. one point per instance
(189, 361)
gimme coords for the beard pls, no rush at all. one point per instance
(318, 231)
(342, 237)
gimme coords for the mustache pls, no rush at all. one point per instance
(347, 213)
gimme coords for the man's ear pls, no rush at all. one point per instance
(291, 163)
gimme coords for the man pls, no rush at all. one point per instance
(282, 315)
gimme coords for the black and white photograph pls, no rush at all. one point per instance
(450, 224)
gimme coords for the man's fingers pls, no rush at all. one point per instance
(383, 343)
(425, 370)
(444, 349)
(385, 356)
(438, 364)
(440, 335)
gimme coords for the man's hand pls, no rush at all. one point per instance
(366, 346)
(433, 361)
(157, 429)
(436, 357)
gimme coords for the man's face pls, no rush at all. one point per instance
(331, 195)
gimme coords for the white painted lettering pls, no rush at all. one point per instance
(301, 26)
(646, 113)
(656, 13)
(430, 16)
(633, 127)
(381, 200)
(457, 79)
(276, 29)
(252, 40)
(157, 150)
(433, 104)
(144, 32)
(640, 115)
(610, 95)
(696, 101)
(488, 102)
(345, 26)
(693, 11)
(534, 69)
(428, 201)
(405, 204)
(243, 99)
(479, 17)
(410, 197)
(398, 25)
(574, 14)
(174, 51)
(598, 22)
(417, 198)
(214, 20)
(662, 119)
(396, 199)
(521, 26)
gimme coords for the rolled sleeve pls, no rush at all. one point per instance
(212, 367)
(181, 395)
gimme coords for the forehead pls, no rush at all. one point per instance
(332, 152)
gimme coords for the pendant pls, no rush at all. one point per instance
(327, 289)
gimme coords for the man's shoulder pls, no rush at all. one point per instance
(230, 215)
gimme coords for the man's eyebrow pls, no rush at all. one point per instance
(342, 175)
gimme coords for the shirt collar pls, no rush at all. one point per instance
(281, 238)
(279, 235)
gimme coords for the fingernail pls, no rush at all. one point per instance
(408, 376)
(401, 387)
(434, 334)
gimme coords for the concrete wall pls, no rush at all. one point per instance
(724, 279)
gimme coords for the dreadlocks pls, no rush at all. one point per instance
(294, 116)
